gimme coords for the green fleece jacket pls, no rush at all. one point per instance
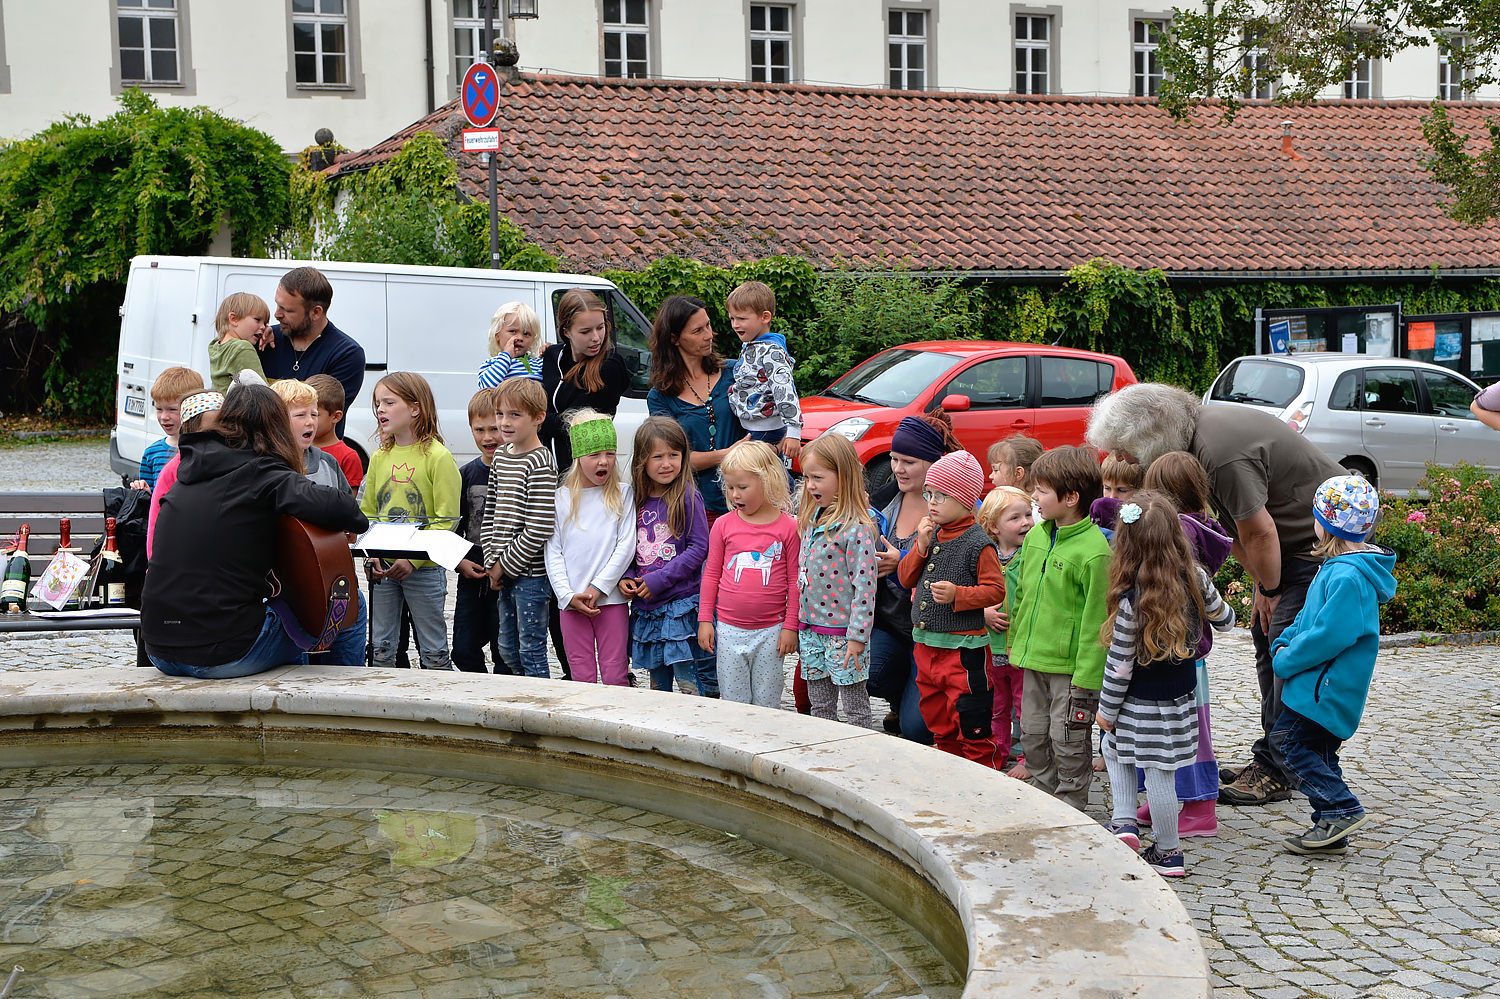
(1057, 606)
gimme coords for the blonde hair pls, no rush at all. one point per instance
(759, 459)
(682, 490)
(1000, 499)
(1153, 564)
(525, 317)
(614, 501)
(412, 389)
(241, 304)
(1331, 546)
(852, 507)
(295, 393)
(751, 296)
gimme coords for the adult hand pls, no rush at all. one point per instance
(706, 636)
(786, 642)
(944, 592)
(1262, 609)
(886, 559)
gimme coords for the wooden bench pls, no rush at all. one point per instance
(41, 512)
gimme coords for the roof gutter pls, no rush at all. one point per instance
(1327, 274)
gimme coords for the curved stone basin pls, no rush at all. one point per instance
(1031, 897)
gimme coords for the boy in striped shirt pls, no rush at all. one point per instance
(167, 392)
(519, 518)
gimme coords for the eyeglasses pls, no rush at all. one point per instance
(933, 496)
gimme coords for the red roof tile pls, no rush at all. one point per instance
(615, 173)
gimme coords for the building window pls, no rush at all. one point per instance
(320, 43)
(1453, 81)
(627, 38)
(148, 41)
(1146, 57)
(1361, 81)
(468, 35)
(1260, 78)
(1033, 54)
(906, 49)
(770, 43)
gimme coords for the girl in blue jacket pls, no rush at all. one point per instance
(1326, 659)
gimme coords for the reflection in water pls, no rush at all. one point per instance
(203, 880)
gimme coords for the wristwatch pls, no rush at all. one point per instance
(1273, 594)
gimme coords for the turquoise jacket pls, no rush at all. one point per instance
(1057, 602)
(1326, 657)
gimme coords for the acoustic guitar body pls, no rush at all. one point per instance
(317, 576)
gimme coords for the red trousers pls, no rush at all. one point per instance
(944, 676)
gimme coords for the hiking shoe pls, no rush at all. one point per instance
(1126, 833)
(1167, 863)
(1337, 848)
(891, 723)
(1329, 831)
(1254, 787)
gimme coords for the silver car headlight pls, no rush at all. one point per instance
(851, 429)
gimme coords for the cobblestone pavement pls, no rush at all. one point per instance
(1412, 911)
(67, 466)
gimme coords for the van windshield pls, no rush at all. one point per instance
(1259, 382)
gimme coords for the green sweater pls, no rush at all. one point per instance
(1057, 605)
(413, 484)
(227, 359)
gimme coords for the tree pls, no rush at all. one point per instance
(1294, 50)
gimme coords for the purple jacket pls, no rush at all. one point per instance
(671, 565)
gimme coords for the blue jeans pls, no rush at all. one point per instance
(271, 648)
(702, 673)
(476, 623)
(523, 625)
(423, 591)
(1311, 754)
(891, 655)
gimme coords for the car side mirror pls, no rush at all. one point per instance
(955, 403)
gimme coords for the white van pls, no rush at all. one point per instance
(432, 320)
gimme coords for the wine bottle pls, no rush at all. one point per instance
(109, 591)
(17, 579)
(65, 544)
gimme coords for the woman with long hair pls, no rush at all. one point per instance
(581, 371)
(204, 610)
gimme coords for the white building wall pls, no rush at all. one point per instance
(237, 55)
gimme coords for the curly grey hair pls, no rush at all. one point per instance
(1145, 421)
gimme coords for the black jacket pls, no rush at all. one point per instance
(205, 584)
(563, 396)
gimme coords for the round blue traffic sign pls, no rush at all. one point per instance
(480, 94)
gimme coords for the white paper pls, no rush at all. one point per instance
(443, 547)
(1351, 343)
(89, 612)
(59, 579)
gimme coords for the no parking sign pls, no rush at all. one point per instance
(480, 94)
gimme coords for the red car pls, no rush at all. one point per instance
(991, 389)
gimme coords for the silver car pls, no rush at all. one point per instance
(1382, 417)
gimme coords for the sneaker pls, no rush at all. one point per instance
(1337, 848)
(891, 723)
(1254, 787)
(1167, 863)
(1329, 831)
(1126, 833)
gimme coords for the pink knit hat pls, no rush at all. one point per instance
(958, 474)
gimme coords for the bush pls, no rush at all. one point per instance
(1447, 556)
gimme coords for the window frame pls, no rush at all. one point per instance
(1464, 413)
(1162, 22)
(929, 12)
(1446, 69)
(1022, 402)
(1250, 64)
(1418, 390)
(1053, 14)
(1354, 81)
(793, 37)
(652, 35)
(187, 77)
(354, 66)
(4, 64)
(456, 75)
(1102, 367)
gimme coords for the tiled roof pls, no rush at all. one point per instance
(616, 173)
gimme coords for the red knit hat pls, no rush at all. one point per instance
(958, 474)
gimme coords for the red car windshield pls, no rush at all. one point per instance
(894, 378)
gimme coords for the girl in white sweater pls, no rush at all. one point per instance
(592, 548)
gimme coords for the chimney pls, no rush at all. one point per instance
(1286, 141)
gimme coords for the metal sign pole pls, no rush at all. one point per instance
(489, 57)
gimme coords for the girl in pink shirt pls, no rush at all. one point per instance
(197, 413)
(747, 610)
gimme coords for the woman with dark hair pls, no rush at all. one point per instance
(916, 444)
(690, 384)
(204, 611)
(581, 371)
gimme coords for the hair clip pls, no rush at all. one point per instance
(1130, 513)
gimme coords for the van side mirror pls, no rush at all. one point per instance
(955, 403)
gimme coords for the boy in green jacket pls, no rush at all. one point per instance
(1057, 608)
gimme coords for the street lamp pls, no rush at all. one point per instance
(523, 10)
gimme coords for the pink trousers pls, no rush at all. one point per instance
(598, 646)
(1005, 680)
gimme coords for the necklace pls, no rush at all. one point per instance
(707, 406)
(297, 357)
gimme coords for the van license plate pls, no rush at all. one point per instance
(135, 405)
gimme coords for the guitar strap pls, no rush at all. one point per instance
(338, 605)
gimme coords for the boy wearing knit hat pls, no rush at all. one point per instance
(954, 570)
(1326, 659)
(1057, 607)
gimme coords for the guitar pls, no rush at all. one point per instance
(314, 589)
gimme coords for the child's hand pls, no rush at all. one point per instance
(141, 485)
(471, 570)
(400, 569)
(580, 604)
(706, 636)
(944, 592)
(642, 591)
(1107, 726)
(786, 642)
(593, 595)
(627, 587)
(791, 446)
(497, 576)
(515, 347)
(852, 653)
(925, 530)
(996, 619)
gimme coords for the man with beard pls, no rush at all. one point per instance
(304, 343)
